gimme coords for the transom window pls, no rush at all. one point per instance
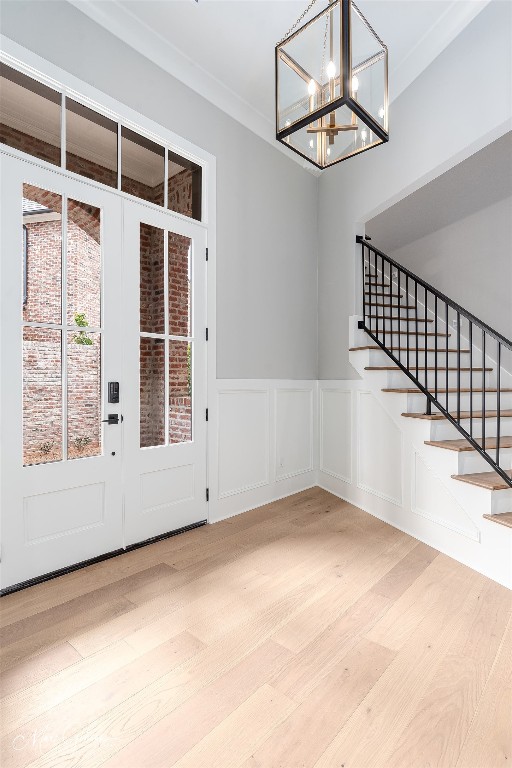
(94, 146)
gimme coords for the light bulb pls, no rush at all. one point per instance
(311, 88)
(328, 151)
(355, 84)
(287, 123)
(364, 135)
(311, 143)
(381, 112)
(331, 70)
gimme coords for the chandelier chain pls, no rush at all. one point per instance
(294, 27)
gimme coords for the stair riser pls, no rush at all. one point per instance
(443, 430)
(384, 312)
(416, 402)
(501, 501)
(395, 339)
(428, 378)
(471, 461)
(379, 357)
(392, 326)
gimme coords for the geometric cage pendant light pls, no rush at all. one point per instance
(332, 86)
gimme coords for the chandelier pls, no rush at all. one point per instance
(332, 85)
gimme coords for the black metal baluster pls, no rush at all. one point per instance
(364, 285)
(435, 346)
(483, 391)
(446, 371)
(407, 325)
(384, 301)
(426, 337)
(498, 406)
(399, 326)
(458, 368)
(416, 316)
(471, 378)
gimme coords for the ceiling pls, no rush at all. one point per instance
(485, 178)
(224, 49)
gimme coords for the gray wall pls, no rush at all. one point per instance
(435, 123)
(456, 233)
(266, 203)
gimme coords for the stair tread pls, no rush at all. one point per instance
(422, 368)
(463, 415)
(489, 480)
(403, 319)
(411, 333)
(463, 445)
(417, 391)
(411, 349)
(504, 518)
(381, 293)
(393, 306)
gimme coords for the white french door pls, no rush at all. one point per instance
(164, 372)
(61, 465)
(103, 371)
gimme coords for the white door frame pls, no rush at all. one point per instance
(39, 68)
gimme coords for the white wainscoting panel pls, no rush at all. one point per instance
(243, 440)
(47, 515)
(336, 433)
(379, 450)
(294, 432)
(431, 500)
(263, 443)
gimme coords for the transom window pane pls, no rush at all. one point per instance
(29, 115)
(142, 167)
(184, 186)
(91, 144)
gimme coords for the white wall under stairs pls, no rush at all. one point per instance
(377, 459)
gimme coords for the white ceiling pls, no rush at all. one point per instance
(224, 49)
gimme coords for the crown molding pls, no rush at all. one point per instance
(116, 18)
(120, 22)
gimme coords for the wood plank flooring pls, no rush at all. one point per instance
(303, 634)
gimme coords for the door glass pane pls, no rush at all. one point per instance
(180, 391)
(42, 396)
(84, 394)
(184, 186)
(142, 167)
(83, 265)
(42, 256)
(91, 144)
(180, 275)
(152, 317)
(152, 392)
(29, 115)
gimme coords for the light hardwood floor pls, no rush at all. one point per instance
(305, 633)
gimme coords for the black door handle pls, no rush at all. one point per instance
(113, 418)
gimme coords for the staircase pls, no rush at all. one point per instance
(445, 375)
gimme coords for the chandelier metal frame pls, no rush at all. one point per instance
(329, 129)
